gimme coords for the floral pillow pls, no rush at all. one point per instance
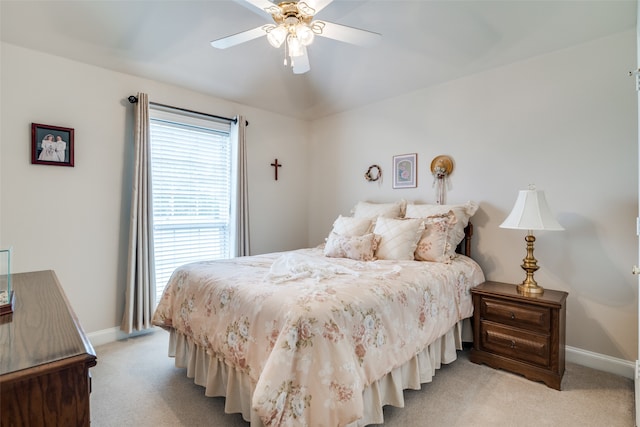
(398, 237)
(434, 244)
(462, 212)
(361, 248)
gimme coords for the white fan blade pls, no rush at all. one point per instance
(317, 5)
(349, 34)
(301, 63)
(236, 39)
(258, 6)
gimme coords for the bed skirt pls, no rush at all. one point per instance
(220, 380)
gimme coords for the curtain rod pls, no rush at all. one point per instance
(133, 99)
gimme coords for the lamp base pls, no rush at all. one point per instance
(525, 289)
(529, 264)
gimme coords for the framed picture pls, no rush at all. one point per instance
(404, 171)
(51, 145)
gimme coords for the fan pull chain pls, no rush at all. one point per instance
(286, 45)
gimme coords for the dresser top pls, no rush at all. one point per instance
(43, 327)
(510, 291)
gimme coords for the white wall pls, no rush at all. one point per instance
(567, 122)
(75, 220)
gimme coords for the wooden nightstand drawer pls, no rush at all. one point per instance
(515, 343)
(537, 318)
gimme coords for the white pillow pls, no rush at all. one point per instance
(375, 210)
(434, 243)
(361, 248)
(398, 237)
(462, 212)
(350, 226)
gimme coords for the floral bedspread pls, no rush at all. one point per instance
(311, 332)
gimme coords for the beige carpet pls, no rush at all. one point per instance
(136, 384)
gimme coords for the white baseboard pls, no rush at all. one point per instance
(600, 362)
(106, 336)
(586, 358)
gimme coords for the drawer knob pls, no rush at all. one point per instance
(513, 344)
(513, 316)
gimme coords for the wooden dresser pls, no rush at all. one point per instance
(45, 357)
(520, 334)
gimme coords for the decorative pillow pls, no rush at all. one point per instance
(375, 210)
(398, 237)
(434, 244)
(462, 212)
(350, 226)
(361, 248)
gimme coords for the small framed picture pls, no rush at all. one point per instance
(404, 171)
(51, 145)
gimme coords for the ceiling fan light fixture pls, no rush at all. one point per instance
(293, 26)
(304, 34)
(294, 45)
(276, 35)
(291, 21)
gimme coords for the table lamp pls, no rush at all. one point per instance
(531, 212)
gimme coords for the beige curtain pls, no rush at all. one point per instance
(240, 205)
(140, 293)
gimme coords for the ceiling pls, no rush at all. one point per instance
(424, 43)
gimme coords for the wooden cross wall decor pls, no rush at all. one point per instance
(276, 165)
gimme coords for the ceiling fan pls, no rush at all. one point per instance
(295, 27)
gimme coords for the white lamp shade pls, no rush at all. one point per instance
(305, 34)
(276, 35)
(295, 47)
(531, 212)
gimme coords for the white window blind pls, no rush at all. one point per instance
(191, 187)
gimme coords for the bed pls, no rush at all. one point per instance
(327, 336)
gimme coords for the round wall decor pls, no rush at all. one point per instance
(441, 166)
(373, 173)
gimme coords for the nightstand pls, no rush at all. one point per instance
(521, 334)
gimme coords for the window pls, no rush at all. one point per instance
(191, 188)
